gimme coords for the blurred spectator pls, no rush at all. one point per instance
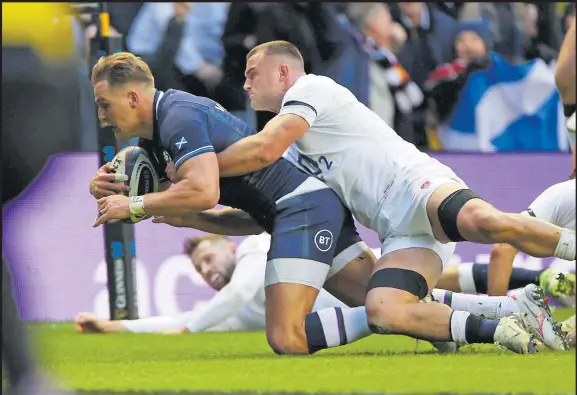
(374, 20)
(535, 48)
(429, 44)
(306, 25)
(181, 43)
(472, 44)
(568, 17)
(450, 8)
(549, 29)
(349, 66)
(392, 93)
(122, 15)
(238, 38)
(506, 23)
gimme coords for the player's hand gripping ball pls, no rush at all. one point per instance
(135, 163)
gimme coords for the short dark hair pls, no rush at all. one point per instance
(120, 68)
(192, 243)
(278, 47)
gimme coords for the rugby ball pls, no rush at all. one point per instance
(142, 177)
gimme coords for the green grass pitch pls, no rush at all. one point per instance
(244, 362)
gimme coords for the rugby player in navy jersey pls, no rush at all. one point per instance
(313, 235)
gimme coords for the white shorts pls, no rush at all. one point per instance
(406, 222)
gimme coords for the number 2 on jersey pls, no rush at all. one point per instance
(313, 167)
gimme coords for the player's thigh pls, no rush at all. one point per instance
(408, 270)
(456, 213)
(352, 267)
(300, 256)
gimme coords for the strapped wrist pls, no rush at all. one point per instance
(137, 208)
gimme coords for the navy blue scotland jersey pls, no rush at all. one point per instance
(302, 225)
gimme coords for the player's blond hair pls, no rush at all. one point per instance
(121, 68)
(192, 243)
(278, 47)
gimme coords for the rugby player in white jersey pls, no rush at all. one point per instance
(236, 272)
(555, 205)
(418, 206)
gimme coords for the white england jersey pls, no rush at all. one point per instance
(556, 205)
(354, 151)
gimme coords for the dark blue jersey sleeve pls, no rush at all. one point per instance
(184, 132)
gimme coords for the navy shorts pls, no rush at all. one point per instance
(309, 231)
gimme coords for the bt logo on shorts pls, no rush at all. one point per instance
(324, 240)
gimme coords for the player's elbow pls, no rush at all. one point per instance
(268, 153)
(211, 196)
(202, 195)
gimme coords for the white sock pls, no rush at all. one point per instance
(492, 307)
(458, 325)
(566, 246)
(335, 326)
(466, 279)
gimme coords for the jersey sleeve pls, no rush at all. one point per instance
(185, 134)
(304, 99)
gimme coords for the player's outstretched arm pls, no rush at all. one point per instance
(262, 149)
(226, 221)
(500, 268)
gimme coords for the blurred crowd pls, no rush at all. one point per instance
(407, 61)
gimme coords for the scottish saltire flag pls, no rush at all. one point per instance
(508, 108)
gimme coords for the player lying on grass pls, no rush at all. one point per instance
(418, 206)
(236, 272)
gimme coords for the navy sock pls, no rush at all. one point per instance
(315, 335)
(519, 277)
(480, 330)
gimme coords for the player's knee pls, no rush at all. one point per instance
(387, 318)
(390, 291)
(287, 341)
